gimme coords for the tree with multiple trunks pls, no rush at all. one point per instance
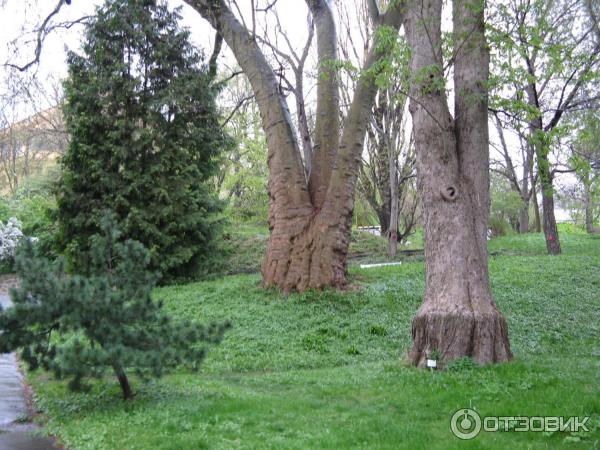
(309, 217)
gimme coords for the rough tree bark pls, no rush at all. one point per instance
(309, 220)
(458, 316)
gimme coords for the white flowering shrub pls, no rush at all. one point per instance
(10, 236)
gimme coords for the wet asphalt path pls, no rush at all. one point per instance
(16, 432)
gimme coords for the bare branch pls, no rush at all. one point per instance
(240, 103)
(42, 32)
(268, 7)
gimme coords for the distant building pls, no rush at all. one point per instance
(28, 146)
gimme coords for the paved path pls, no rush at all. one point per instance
(16, 433)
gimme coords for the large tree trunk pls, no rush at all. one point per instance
(309, 220)
(458, 316)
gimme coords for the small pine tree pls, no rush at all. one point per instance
(145, 138)
(79, 326)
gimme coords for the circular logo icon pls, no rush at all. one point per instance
(465, 424)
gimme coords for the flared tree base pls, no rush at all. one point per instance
(459, 333)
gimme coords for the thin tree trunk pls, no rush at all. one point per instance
(524, 218)
(525, 189)
(458, 317)
(587, 204)
(525, 195)
(539, 139)
(123, 381)
(550, 229)
(536, 206)
(393, 233)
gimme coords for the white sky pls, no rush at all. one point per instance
(19, 17)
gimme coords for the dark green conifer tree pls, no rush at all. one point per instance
(80, 326)
(145, 138)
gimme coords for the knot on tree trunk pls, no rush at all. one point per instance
(449, 193)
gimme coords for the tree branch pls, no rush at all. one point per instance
(42, 32)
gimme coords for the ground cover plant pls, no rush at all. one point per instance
(325, 369)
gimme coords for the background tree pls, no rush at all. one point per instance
(145, 138)
(547, 55)
(585, 158)
(242, 177)
(78, 326)
(522, 181)
(506, 206)
(458, 316)
(32, 131)
(386, 178)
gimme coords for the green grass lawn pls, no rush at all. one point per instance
(325, 369)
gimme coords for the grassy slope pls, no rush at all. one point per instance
(244, 246)
(324, 370)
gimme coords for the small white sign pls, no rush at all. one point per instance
(431, 363)
(368, 266)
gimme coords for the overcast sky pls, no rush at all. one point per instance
(19, 17)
